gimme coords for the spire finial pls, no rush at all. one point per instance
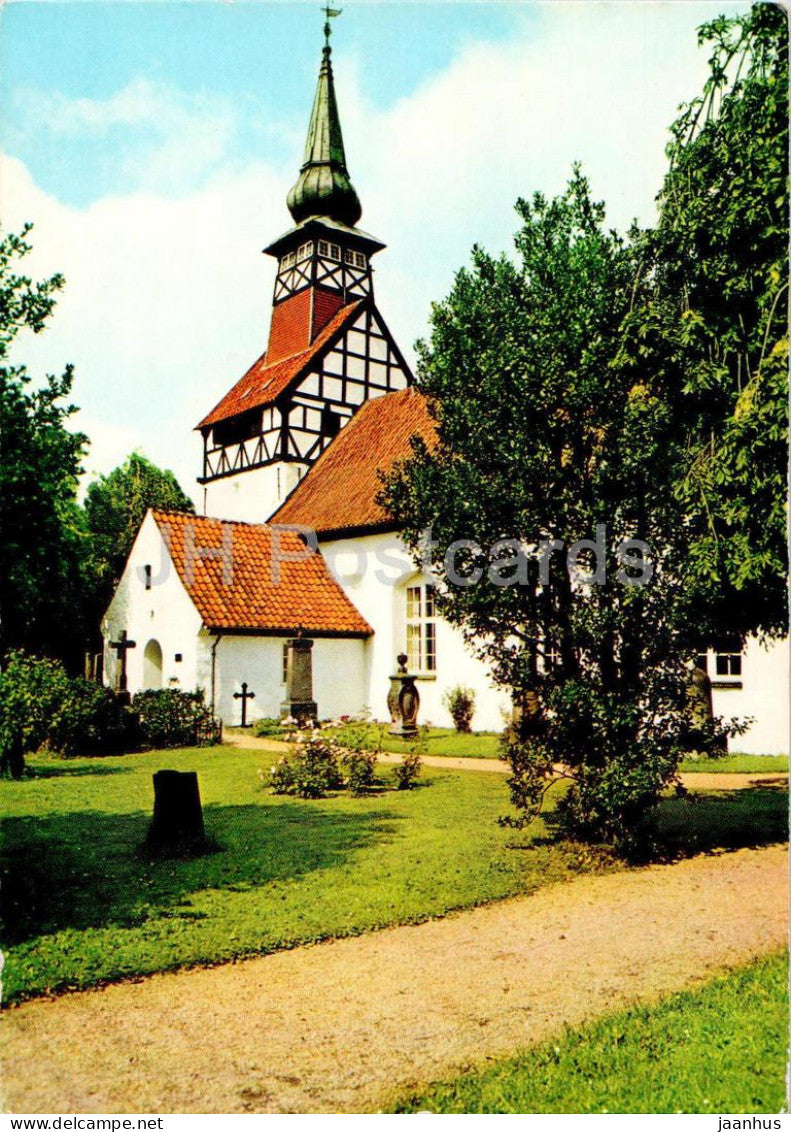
(323, 187)
(329, 14)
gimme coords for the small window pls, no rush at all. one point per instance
(147, 572)
(304, 251)
(728, 663)
(421, 629)
(285, 664)
(289, 260)
(335, 251)
(324, 248)
(330, 422)
(178, 658)
(360, 259)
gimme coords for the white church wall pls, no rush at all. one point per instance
(375, 570)
(164, 613)
(760, 692)
(251, 496)
(339, 666)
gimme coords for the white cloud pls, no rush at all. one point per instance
(167, 299)
(165, 140)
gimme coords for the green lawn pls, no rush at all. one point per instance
(738, 764)
(486, 745)
(85, 905)
(439, 741)
(721, 1048)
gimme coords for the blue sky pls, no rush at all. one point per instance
(258, 61)
(153, 145)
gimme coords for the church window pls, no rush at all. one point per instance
(289, 260)
(421, 629)
(304, 251)
(330, 422)
(348, 255)
(324, 248)
(359, 259)
(147, 572)
(285, 664)
(728, 660)
(335, 252)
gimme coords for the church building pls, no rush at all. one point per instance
(293, 557)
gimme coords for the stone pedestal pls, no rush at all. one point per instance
(403, 701)
(299, 702)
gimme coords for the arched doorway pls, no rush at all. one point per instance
(152, 666)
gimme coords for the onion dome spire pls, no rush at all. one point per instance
(323, 187)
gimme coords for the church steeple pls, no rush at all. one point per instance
(323, 188)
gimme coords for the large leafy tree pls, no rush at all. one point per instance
(639, 385)
(42, 542)
(546, 434)
(713, 328)
(115, 506)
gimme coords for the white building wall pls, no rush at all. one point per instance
(339, 666)
(761, 692)
(374, 570)
(163, 613)
(251, 496)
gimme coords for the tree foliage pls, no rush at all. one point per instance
(608, 389)
(115, 506)
(41, 548)
(713, 328)
(544, 435)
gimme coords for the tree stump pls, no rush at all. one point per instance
(177, 824)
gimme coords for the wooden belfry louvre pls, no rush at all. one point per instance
(329, 348)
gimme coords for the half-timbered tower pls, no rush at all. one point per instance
(329, 348)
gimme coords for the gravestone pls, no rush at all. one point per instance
(244, 696)
(177, 824)
(403, 700)
(299, 702)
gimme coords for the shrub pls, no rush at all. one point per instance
(173, 718)
(359, 770)
(31, 688)
(359, 734)
(407, 771)
(269, 728)
(311, 771)
(460, 702)
(89, 720)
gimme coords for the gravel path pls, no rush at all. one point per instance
(700, 780)
(338, 1026)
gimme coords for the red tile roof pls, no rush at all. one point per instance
(247, 577)
(263, 382)
(299, 319)
(339, 492)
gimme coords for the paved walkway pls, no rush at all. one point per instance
(338, 1026)
(704, 780)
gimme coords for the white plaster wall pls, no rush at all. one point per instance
(374, 570)
(164, 613)
(339, 667)
(764, 695)
(251, 496)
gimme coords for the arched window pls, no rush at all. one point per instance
(421, 628)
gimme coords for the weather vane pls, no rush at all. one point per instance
(329, 14)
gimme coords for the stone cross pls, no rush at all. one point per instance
(122, 647)
(244, 696)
